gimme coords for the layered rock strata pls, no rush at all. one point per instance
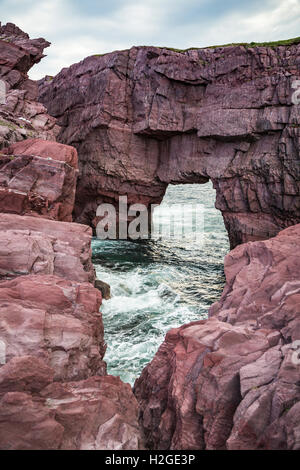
(38, 178)
(54, 319)
(31, 245)
(98, 413)
(143, 118)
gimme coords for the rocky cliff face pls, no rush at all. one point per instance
(21, 115)
(146, 117)
(232, 381)
(142, 119)
(54, 389)
(31, 245)
(38, 177)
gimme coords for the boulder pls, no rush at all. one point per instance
(104, 288)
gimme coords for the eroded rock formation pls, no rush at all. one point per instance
(36, 177)
(30, 245)
(54, 390)
(36, 413)
(142, 119)
(56, 320)
(233, 381)
(146, 117)
(21, 115)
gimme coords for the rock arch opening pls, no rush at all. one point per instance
(160, 283)
(146, 117)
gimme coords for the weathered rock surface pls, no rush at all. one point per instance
(142, 119)
(38, 177)
(45, 149)
(146, 117)
(54, 391)
(36, 413)
(18, 53)
(263, 285)
(56, 320)
(31, 245)
(233, 381)
(21, 116)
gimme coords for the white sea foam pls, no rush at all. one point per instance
(158, 285)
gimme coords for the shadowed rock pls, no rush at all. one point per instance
(104, 288)
(54, 391)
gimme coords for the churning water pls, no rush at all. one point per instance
(159, 284)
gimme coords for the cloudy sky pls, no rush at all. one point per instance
(79, 28)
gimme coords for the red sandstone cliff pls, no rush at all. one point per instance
(54, 389)
(149, 116)
(233, 381)
(21, 116)
(139, 120)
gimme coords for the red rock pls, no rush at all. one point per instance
(27, 424)
(21, 116)
(268, 416)
(30, 185)
(18, 53)
(23, 253)
(25, 374)
(223, 114)
(189, 392)
(41, 246)
(153, 116)
(53, 334)
(55, 320)
(38, 178)
(99, 413)
(47, 150)
(22, 119)
(232, 381)
(262, 284)
(51, 330)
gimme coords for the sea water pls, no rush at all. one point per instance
(160, 284)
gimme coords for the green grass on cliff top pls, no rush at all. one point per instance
(284, 42)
